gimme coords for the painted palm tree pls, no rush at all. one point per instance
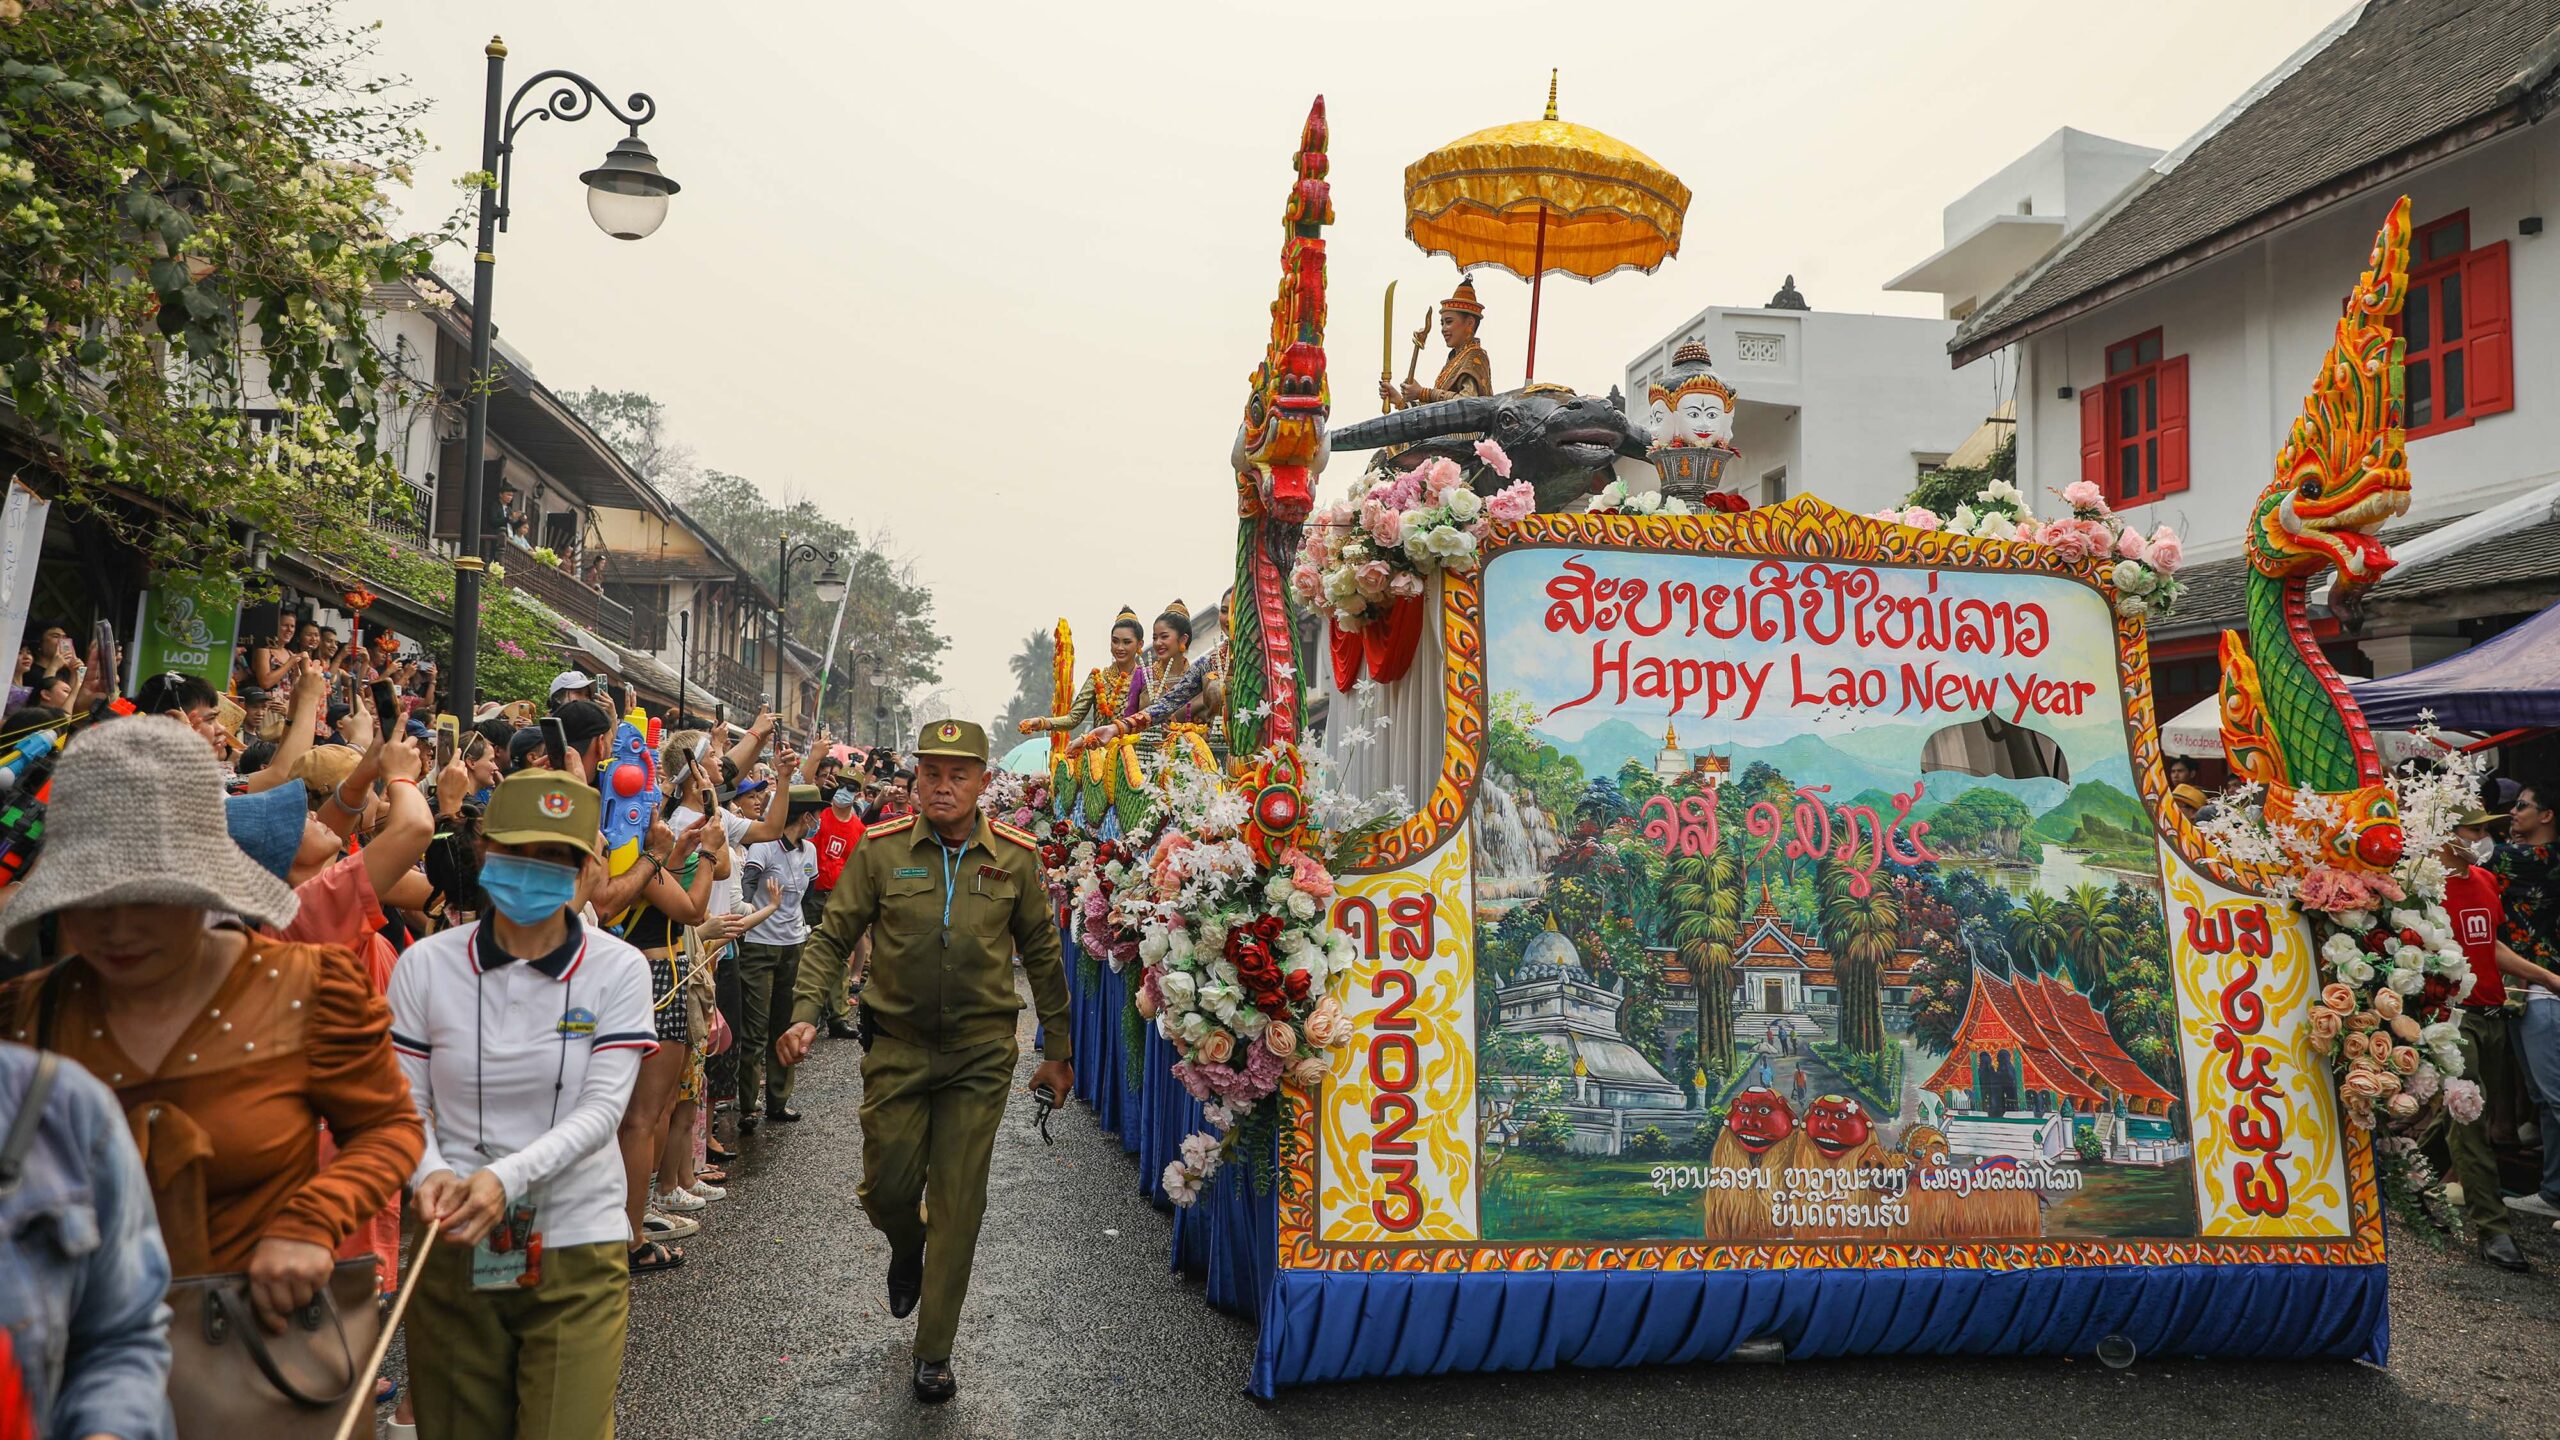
(2094, 938)
(1705, 895)
(2038, 930)
(1862, 932)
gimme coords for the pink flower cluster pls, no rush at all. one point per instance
(2329, 889)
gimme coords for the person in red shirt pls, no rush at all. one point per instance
(2473, 902)
(839, 830)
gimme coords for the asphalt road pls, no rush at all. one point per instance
(777, 1326)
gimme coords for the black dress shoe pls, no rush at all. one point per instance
(906, 1286)
(747, 1122)
(2501, 1251)
(782, 1115)
(935, 1382)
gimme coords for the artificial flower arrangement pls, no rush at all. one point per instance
(1239, 947)
(1383, 543)
(2146, 569)
(1614, 497)
(2392, 972)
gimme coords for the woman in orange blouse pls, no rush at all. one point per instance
(226, 1049)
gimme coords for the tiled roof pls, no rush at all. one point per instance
(2404, 78)
(2216, 596)
(2522, 555)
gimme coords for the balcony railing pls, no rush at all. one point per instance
(732, 681)
(610, 620)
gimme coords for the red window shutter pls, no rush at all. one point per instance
(2491, 381)
(2093, 435)
(2173, 424)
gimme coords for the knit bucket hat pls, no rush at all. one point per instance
(137, 818)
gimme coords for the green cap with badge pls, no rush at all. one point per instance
(963, 739)
(543, 807)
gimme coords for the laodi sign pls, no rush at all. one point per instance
(1796, 895)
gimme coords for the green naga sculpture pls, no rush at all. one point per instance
(2288, 721)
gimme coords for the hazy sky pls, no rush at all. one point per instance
(994, 275)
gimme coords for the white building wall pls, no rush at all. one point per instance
(2255, 322)
(1846, 405)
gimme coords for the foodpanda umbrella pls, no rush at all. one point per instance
(1540, 196)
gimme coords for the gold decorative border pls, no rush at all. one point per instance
(1804, 527)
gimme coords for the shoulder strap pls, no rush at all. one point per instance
(48, 1004)
(22, 1126)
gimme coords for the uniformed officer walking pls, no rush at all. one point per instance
(951, 898)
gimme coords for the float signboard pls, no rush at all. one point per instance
(1795, 895)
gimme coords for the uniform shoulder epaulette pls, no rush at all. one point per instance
(1023, 838)
(890, 827)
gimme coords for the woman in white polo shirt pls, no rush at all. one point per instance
(521, 1036)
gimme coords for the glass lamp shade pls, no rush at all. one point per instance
(830, 583)
(626, 195)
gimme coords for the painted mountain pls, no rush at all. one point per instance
(1879, 758)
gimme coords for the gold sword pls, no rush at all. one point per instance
(1419, 338)
(1387, 351)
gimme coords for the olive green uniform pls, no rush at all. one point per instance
(945, 925)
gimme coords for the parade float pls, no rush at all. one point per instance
(1779, 932)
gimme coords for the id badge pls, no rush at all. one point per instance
(509, 1257)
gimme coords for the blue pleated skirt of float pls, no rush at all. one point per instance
(1317, 1326)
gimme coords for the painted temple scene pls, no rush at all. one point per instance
(1813, 971)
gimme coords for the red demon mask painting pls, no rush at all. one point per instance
(1760, 1119)
(1836, 1125)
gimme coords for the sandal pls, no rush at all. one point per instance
(654, 1255)
(710, 1173)
(719, 1153)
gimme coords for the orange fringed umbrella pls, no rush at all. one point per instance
(1540, 196)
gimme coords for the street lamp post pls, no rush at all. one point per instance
(830, 583)
(627, 198)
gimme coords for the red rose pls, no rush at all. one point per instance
(1297, 984)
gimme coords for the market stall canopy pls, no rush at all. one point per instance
(1544, 196)
(2509, 681)
(2197, 732)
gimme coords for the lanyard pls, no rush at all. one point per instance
(950, 883)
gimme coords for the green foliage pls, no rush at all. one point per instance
(1701, 1143)
(1874, 1076)
(1545, 1131)
(1862, 932)
(189, 228)
(520, 649)
(2084, 1140)
(1536, 772)
(1943, 489)
(1985, 821)
(1509, 1053)
(1649, 1143)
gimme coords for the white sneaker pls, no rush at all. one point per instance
(668, 1227)
(708, 1191)
(2533, 1205)
(679, 1202)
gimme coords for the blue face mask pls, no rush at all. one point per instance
(843, 799)
(527, 892)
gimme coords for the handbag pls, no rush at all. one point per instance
(229, 1378)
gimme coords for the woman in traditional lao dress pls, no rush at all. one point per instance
(1109, 691)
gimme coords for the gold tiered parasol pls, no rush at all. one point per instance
(1544, 195)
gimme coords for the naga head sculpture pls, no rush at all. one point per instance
(2344, 471)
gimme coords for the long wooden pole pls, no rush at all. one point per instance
(1537, 285)
(360, 1402)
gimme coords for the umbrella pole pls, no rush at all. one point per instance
(1537, 286)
